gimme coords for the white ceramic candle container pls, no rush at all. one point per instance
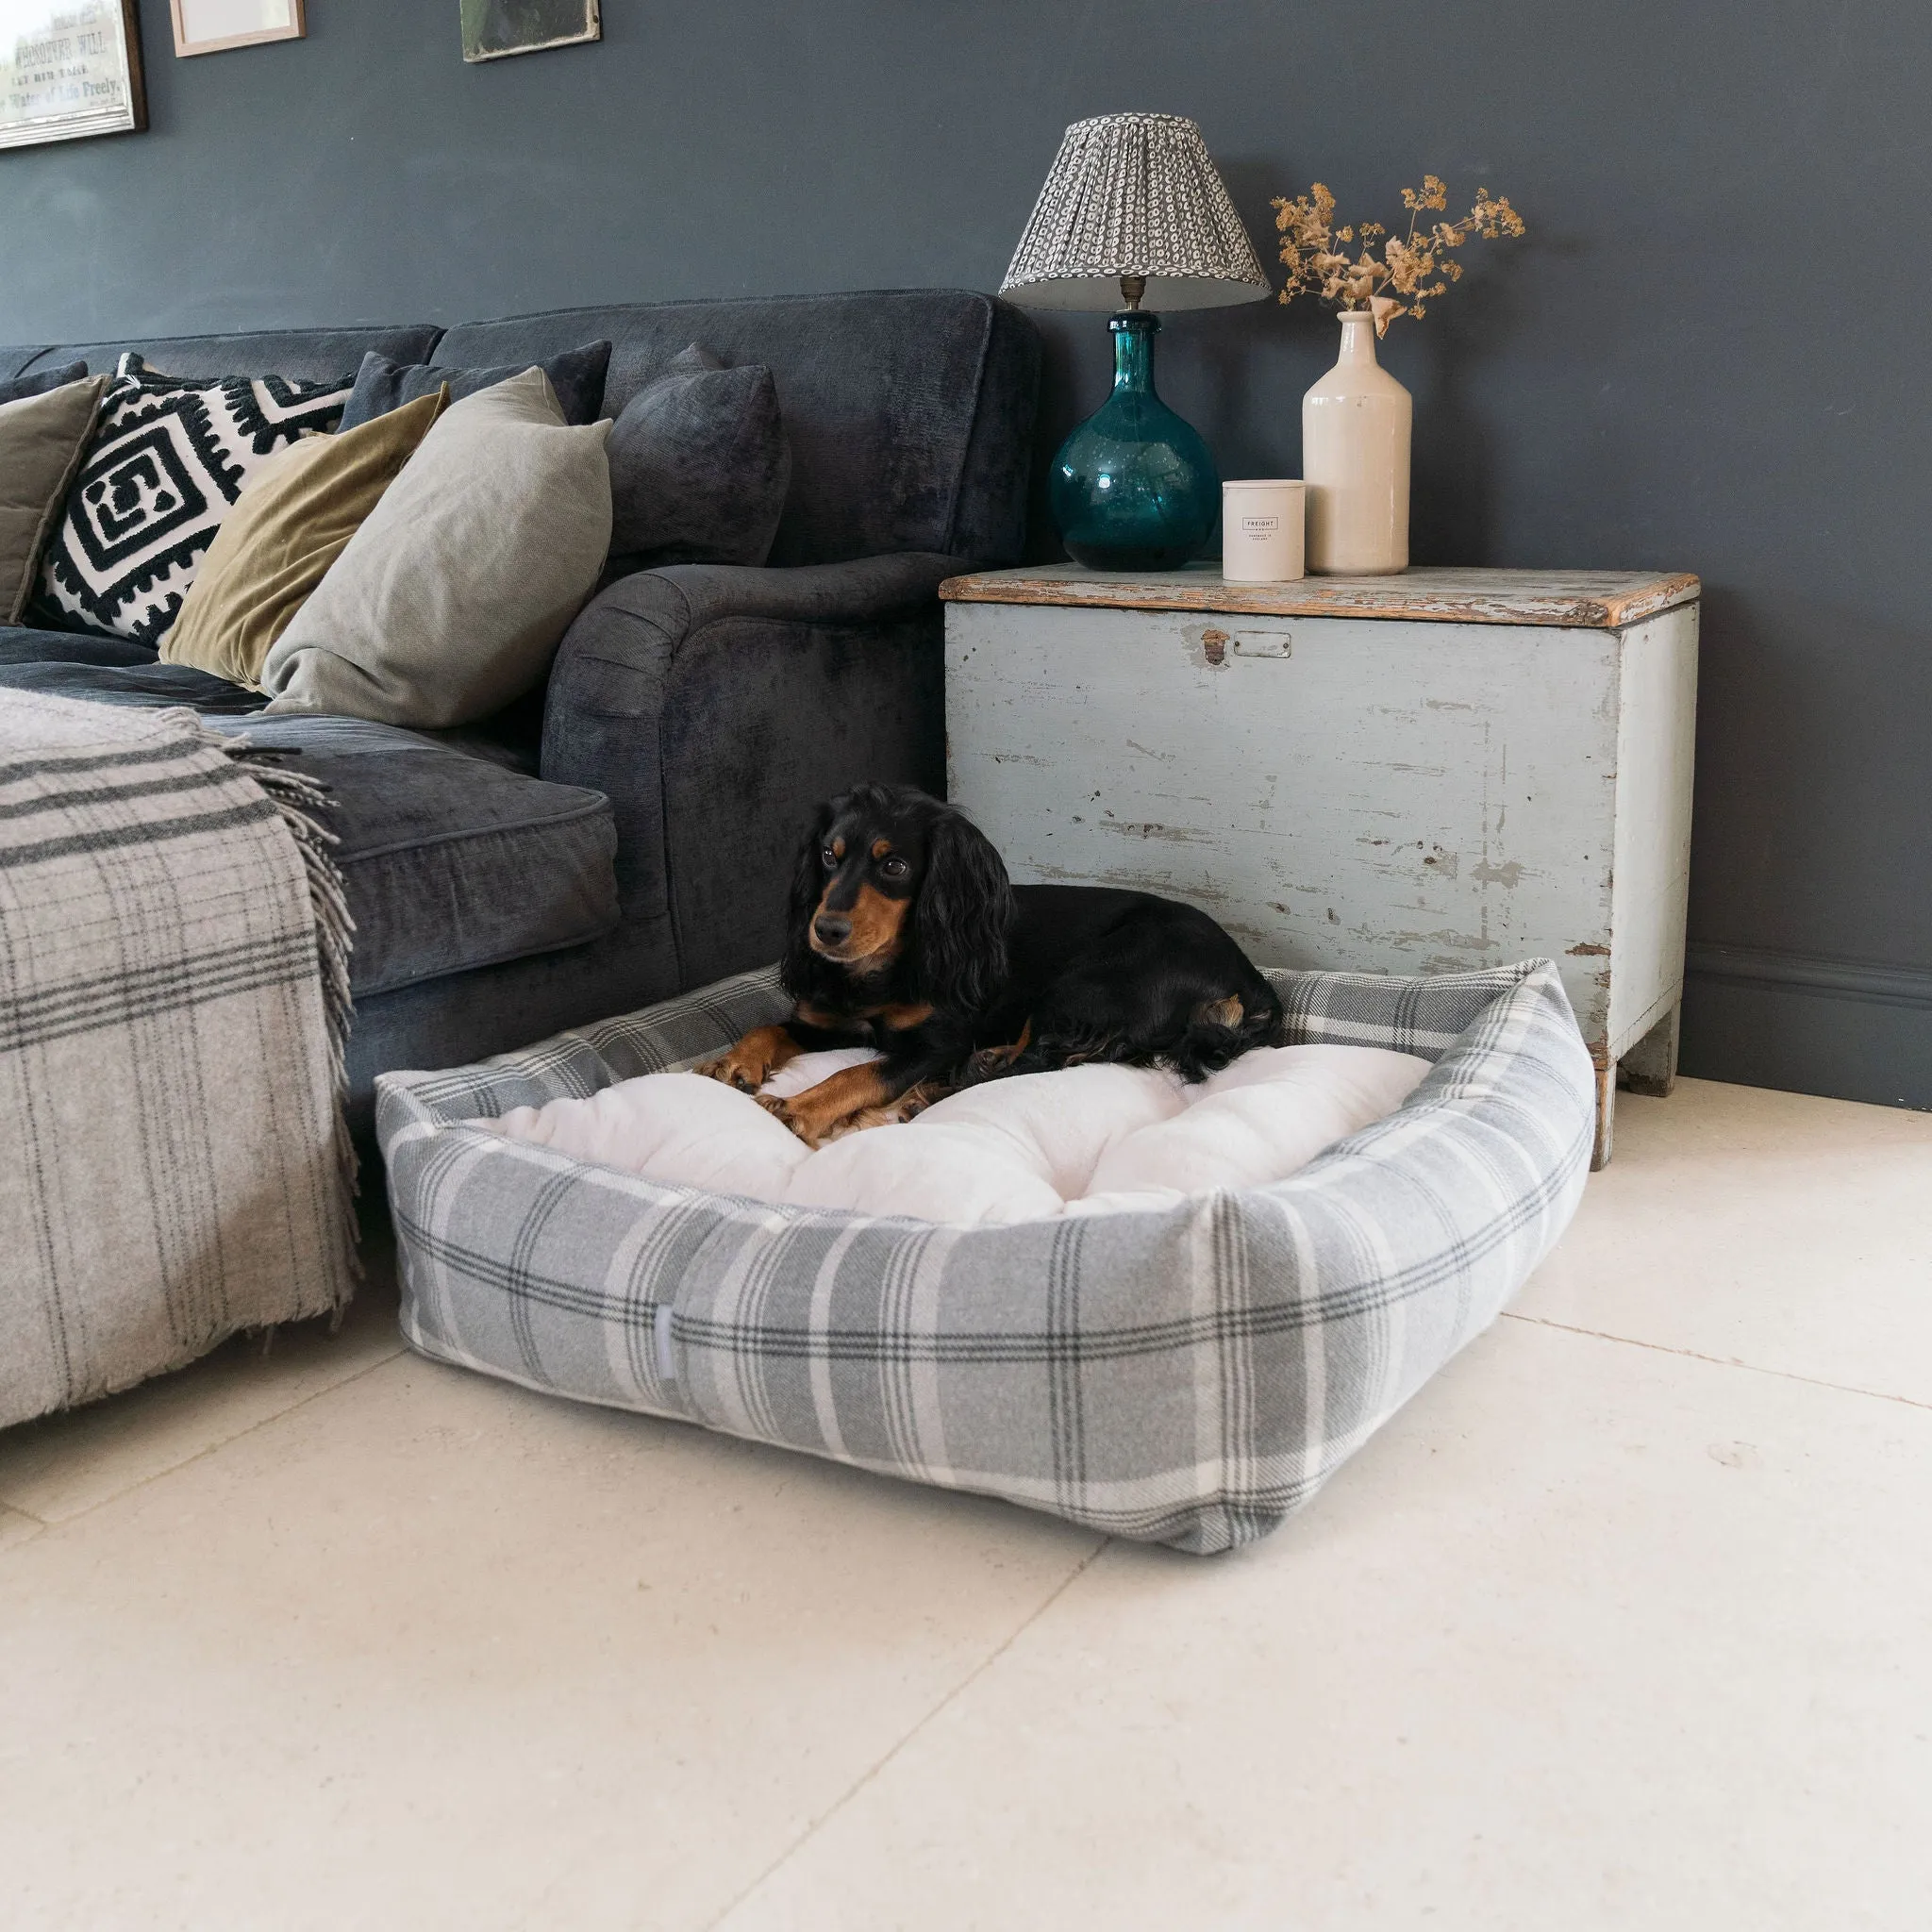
(1262, 520)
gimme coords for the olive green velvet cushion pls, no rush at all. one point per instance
(450, 601)
(43, 441)
(294, 518)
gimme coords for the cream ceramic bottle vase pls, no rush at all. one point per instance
(1354, 457)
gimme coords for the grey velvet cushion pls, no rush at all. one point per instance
(15, 387)
(576, 375)
(699, 466)
(43, 440)
(111, 670)
(453, 856)
(448, 601)
(450, 861)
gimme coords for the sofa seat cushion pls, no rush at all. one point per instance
(113, 670)
(118, 671)
(450, 861)
(452, 854)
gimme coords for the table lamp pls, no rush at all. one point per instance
(1132, 212)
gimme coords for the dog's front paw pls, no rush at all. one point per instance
(802, 1123)
(817, 1114)
(747, 1071)
(753, 1060)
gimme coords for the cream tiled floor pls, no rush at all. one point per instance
(1624, 1622)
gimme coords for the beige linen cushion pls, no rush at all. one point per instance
(43, 440)
(451, 598)
(294, 518)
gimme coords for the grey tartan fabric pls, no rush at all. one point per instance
(1186, 1376)
(172, 1003)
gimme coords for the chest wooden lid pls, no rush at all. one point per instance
(1574, 599)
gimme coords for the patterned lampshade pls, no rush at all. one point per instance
(1134, 195)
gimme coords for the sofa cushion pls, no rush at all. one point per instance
(118, 671)
(453, 856)
(699, 466)
(14, 389)
(170, 458)
(383, 384)
(43, 440)
(450, 861)
(448, 603)
(111, 670)
(277, 544)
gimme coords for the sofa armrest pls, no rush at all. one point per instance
(716, 705)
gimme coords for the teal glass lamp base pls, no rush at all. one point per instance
(1134, 487)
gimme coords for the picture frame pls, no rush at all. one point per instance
(69, 69)
(213, 27)
(495, 30)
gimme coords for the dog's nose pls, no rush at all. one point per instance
(831, 930)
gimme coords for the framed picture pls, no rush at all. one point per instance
(69, 68)
(209, 27)
(495, 29)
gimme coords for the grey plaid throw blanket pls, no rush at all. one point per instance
(174, 995)
(1185, 1375)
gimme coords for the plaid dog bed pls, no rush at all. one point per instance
(1187, 1377)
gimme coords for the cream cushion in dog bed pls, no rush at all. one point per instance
(1089, 1140)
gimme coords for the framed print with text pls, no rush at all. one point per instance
(67, 69)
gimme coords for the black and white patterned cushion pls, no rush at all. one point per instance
(168, 461)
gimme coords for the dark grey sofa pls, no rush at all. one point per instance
(626, 833)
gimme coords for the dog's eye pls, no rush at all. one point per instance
(894, 867)
(830, 858)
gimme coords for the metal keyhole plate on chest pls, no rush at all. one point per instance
(1263, 643)
(1218, 645)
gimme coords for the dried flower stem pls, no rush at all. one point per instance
(1416, 266)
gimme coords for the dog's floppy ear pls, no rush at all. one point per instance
(965, 906)
(807, 885)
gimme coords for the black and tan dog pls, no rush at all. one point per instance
(905, 934)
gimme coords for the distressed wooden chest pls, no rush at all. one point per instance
(1417, 773)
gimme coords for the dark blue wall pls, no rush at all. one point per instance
(1710, 355)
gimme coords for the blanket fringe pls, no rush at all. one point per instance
(300, 800)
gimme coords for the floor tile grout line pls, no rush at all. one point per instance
(206, 1448)
(958, 1690)
(26, 1537)
(1721, 1361)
